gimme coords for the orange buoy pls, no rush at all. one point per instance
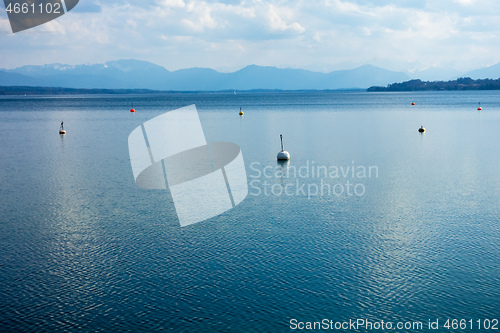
(412, 103)
(61, 129)
(132, 110)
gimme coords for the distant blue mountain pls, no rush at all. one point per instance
(134, 74)
(436, 74)
(15, 79)
(492, 72)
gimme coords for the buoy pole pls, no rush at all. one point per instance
(283, 155)
(61, 129)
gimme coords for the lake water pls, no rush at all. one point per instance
(83, 249)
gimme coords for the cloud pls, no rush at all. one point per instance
(5, 26)
(465, 2)
(276, 22)
(171, 3)
(315, 34)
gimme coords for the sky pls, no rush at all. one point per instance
(325, 35)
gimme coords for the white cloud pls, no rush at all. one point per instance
(199, 17)
(316, 34)
(171, 3)
(465, 2)
(5, 26)
(277, 23)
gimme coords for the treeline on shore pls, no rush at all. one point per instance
(463, 83)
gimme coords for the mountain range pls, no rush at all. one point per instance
(135, 74)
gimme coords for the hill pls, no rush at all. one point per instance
(134, 74)
(459, 84)
(484, 73)
(25, 90)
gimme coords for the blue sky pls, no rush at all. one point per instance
(406, 35)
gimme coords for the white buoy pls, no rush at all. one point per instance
(283, 155)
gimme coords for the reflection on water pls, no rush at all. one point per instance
(83, 249)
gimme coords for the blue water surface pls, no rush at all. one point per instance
(83, 249)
